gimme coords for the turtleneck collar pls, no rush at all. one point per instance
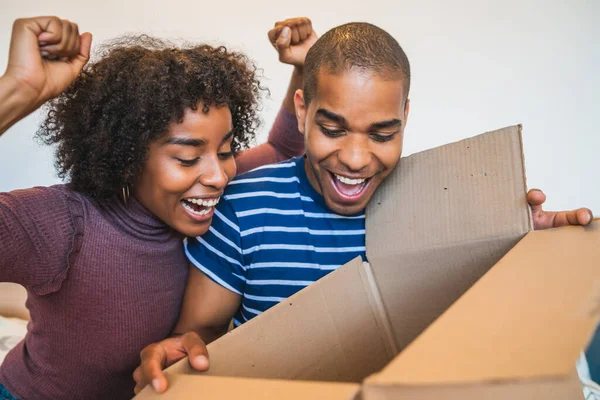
(137, 220)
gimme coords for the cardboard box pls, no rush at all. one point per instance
(440, 222)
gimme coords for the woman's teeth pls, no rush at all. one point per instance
(199, 206)
(348, 181)
(204, 203)
(190, 209)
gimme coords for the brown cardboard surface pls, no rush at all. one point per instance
(424, 284)
(457, 193)
(451, 214)
(329, 331)
(187, 387)
(529, 317)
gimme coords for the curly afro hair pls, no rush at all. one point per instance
(104, 122)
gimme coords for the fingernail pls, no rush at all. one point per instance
(43, 43)
(202, 361)
(589, 218)
(156, 384)
(44, 53)
(285, 32)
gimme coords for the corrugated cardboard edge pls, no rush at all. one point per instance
(552, 388)
(524, 167)
(186, 387)
(379, 309)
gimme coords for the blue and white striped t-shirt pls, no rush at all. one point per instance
(272, 235)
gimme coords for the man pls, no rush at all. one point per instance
(281, 227)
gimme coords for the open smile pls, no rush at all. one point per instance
(200, 209)
(349, 189)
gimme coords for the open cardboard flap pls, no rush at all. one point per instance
(437, 225)
(518, 331)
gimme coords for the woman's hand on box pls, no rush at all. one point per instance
(160, 355)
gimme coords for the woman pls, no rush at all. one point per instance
(146, 137)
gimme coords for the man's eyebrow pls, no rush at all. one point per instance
(321, 112)
(392, 123)
(184, 142)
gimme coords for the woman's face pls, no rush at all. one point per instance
(187, 170)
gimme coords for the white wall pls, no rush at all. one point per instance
(476, 67)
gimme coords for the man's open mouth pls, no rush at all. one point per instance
(349, 187)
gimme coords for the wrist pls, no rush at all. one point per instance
(298, 70)
(17, 102)
(296, 82)
(19, 95)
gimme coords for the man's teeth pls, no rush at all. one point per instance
(204, 203)
(348, 181)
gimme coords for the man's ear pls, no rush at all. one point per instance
(406, 110)
(300, 107)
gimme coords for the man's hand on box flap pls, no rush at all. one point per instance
(553, 219)
(160, 355)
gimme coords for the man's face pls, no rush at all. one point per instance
(353, 130)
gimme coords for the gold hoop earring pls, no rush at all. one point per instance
(125, 190)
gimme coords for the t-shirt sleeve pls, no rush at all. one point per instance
(218, 253)
(38, 229)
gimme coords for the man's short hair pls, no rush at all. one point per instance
(356, 45)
